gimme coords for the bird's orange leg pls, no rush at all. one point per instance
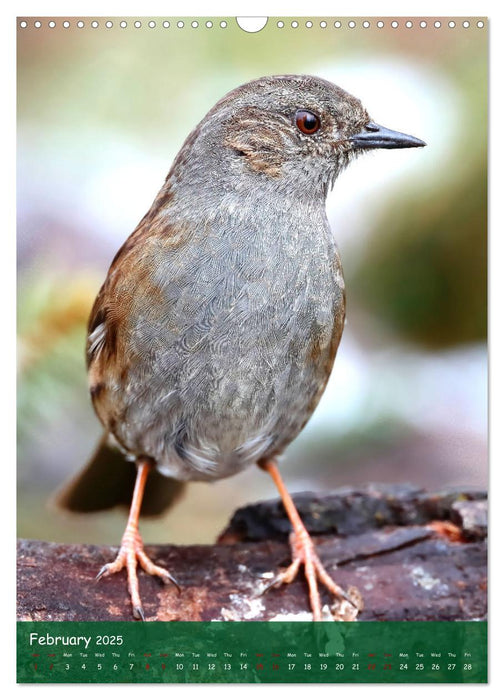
(132, 550)
(303, 551)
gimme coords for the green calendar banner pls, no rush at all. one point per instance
(251, 652)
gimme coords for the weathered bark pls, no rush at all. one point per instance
(412, 556)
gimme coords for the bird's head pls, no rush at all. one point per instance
(296, 132)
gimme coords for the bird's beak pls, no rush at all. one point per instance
(376, 136)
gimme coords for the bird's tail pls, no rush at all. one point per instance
(108, 481)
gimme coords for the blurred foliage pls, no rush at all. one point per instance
(50, 310)
(425, 273)
(52, 387)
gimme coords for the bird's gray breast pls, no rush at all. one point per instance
(235, 351)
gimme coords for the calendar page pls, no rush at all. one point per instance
(252, 390)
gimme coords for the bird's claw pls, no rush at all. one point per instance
(131, 553)
(138, 613)
(303, 551)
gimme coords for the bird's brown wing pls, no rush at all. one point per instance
(108, 479)
(128, 295)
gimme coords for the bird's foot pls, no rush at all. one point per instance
(130, 554)
(346, 607)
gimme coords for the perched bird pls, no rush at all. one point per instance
(213, 336)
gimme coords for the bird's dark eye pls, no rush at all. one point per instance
(307, 122)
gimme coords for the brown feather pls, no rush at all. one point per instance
(108, 481)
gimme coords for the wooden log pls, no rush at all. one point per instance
(412, 556)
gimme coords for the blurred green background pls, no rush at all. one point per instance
(101, 114)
